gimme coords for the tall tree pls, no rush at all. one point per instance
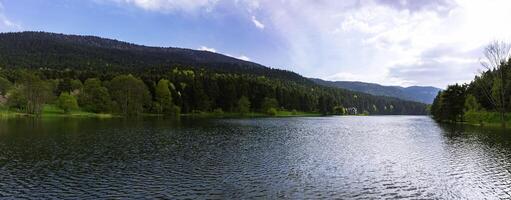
(269, 103)
(36, 91)
(496, 54)
(94, 97)
(163, 97)
(243, 105)
(130, 93)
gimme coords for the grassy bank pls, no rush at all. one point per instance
(483, 118)
(251, 114)
(53, 111)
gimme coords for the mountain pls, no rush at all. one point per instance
(203, 80)
(414, 93)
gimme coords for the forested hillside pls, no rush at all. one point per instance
(106, 76)
(413, 93)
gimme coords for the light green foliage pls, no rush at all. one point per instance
(16, 98)
(272, 112)
(243, 105)
(486, 118)
(163, 97)
(130, 94)
(339, 110)
(67, 102)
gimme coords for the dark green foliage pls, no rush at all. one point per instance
(243, 105)
(269, 103)
(76, 85)
(31, 93)
(471, 103)
(130, 94)
(450, 104)
(16, 99)
(5, 85)
(94, 97)
(64, 85)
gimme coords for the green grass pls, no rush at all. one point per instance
(53, 111)
(251, 114)
(483, 118)
(50, 110)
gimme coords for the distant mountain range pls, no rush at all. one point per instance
(423, 94)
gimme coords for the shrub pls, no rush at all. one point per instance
(272, 112)
(67, 102)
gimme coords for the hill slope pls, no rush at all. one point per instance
(414, 93)
(203, 80)
(61, 51)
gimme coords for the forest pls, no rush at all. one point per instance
(485, 100)
(107, 76)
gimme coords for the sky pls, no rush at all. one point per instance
(390, 42)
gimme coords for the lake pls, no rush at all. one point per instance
(266, 158)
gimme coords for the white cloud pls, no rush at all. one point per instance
(171, 5)
(257, 23)
(243, 57)
(383, 41)
(204, 48)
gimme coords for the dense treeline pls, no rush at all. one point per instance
(187, 91)
(109, 76)
(487, 96)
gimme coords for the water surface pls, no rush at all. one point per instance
(323, 157)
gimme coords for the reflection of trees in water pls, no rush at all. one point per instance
(490, 136)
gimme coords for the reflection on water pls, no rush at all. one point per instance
(330, 157)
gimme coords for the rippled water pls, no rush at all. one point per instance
(330, 157)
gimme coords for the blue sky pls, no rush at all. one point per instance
(392, 42)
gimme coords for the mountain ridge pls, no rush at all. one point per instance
(423, 94)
